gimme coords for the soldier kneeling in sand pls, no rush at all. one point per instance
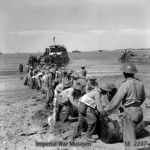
(68, 98)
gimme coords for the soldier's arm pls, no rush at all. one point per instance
(143, 94)
(117, 98)
(87, 87)
(50, 82)
(98, 103)
(71, 98)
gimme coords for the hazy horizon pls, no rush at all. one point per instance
(87, 25)
(42, 52)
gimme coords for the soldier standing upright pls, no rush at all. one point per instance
(83, 71)
(21, 68)
(131, 94)
(48, 86)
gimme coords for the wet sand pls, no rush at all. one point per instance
(23, 118)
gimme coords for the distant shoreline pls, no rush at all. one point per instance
(104, 50)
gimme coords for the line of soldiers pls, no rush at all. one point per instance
(90, 100)
(46, 78)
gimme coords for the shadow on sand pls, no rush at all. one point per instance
(112, 132)
(142, 132)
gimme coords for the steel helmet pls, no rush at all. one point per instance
(47, 68)
(30, 67)
(52, 70)
(64, 72)
(79, 84)
(82, 66)
(105, 87)
(129, 68)
(67, 84)
(70, 71)
(112, 85)
(92, 78)
(40, 73)
(76, 75)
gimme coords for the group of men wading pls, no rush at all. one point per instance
(88, 99)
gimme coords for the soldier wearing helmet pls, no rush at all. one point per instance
(70, 71)
(90, 107)
(28, 78)
(131, 94)
(113, 91)
(38, 77)
(62, 86)
(83, 71)
(106, 91)
(69, 98)
(63, 69)
(91, 84)
(48, 85)
(57, 79)
(69, 76)
(64, 75)
(27, 68)
(76, 76)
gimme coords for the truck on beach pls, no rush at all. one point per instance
(129, 56)
(54, 54)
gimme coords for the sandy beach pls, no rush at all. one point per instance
(23, 118)
(100, 35)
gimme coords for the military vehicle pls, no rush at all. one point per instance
(76, 51)
(129, 56)
(54, 54)
(100, 50)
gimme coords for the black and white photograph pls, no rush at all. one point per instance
(74, 75)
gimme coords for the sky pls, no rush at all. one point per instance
(86, 25)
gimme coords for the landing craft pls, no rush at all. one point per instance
(129, 56)
(76, 51)
(54, 54)
(100, 50)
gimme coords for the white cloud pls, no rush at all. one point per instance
(116, 1)
(38, 32)
(135, 31)
(129, 31)
(97, 32)
(66, 3)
